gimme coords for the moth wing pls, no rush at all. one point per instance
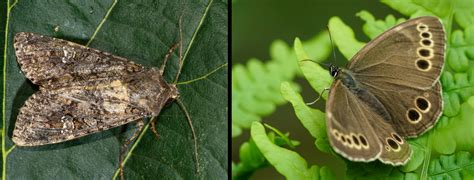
(401, 68)
(46, 60)
(352, 136)
(55, 116)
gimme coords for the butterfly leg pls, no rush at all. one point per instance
(123, 149)
(319, 97)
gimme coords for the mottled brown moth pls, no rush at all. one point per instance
(82, 90)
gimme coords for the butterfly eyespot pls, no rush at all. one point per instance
(413, 116)
(392, 144)
(425, 35)
(336, 133)
(397, 138)
(422, 27)
(423, 65)
(425, 52)
(363, 141)
(355, 140)
(348, 139)
(422, 104)
(427, 42)
(343, 139)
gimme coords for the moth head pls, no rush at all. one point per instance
(174, 91)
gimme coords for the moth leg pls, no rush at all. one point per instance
(140, 124)
(190, 122)
(153, 128)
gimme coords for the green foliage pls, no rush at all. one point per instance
(289, 163)
(255, 87)
(251, 159)
(456, 166)
(142, 31)
(312, 119)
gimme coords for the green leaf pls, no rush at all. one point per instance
(373, 27)
(461, 9)
(456, 166)
(289, 163)
(142, 31)
(312, 119)
(344, 38)
(251, 159)
(255, 87)
(317, 76)
(455, 133)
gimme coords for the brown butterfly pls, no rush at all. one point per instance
(388, 92)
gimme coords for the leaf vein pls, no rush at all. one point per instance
(97, 29)
(204, 76)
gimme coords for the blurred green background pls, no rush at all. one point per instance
(257, 23)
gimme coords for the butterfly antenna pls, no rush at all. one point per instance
(323, 64)
(332, 45)
(180, 103)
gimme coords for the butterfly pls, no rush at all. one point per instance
(389, 91)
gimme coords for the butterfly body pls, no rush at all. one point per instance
(347, 79)
(388, 92)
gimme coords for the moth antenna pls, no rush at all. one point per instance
(168, 54)
(332, 45)
(180, 63)
(181, 104)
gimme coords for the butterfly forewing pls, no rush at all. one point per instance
(349, 129)
(408, 55)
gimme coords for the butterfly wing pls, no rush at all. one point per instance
(401, 68)
(349, 131)
(359, 134)
(412, 49)
(47, 61)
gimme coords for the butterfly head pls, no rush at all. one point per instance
(334, 70)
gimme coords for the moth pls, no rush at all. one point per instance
(388, 92)
(82, 90)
